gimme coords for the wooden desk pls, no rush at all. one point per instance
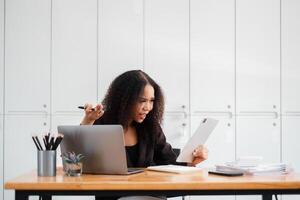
(153, 183)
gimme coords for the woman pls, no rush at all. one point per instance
(136, 102)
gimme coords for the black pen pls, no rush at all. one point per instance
(57, 141)
(82, 107)
(38, 142)
(45, 143)
(37, 146)
(47, 138)
(51, 143)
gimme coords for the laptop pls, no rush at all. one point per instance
(102, 146)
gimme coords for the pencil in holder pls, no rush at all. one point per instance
(46, 163)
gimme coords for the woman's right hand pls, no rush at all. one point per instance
(92, 114)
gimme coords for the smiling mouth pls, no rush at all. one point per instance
(143, 115)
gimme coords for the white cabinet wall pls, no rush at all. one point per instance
(258, 56)
(27, 56)
(1, 56)
(290, 42)
(1, 93)
(233, 60)
(258, 76)
(258, 137)
(167, 38)
(66, 119)
(20, 153)
(176, 129)
(74, 64)
(290, 57)
(212, 79)
(120, 40)
(290, 145)
(258, 79)
(1, 156)
(223, 137)
(167, 49)
(57, 120)
(212, 56)
(74, 54)
(27, 83)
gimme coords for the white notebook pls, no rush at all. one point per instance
(174, 169)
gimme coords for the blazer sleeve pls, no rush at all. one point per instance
(163, 152)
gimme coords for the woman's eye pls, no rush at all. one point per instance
(145, 101)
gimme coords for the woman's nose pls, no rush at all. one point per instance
(147, 106)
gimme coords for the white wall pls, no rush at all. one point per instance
(1, 157)
(290, 42)
(1, 56)
(234, 60)
(258, 78)
(212, 81)
(1, 92)
(166, 38)
(74, 54)
(27, 56)
(120, 40)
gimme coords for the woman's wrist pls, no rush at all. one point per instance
(190, 164)
(87, 122)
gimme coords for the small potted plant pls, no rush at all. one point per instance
(72, 163)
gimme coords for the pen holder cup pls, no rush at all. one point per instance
(46, 163)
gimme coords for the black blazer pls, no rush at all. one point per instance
(153, 148)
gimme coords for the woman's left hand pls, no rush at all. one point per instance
(200, 154)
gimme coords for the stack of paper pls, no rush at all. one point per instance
(255, 170)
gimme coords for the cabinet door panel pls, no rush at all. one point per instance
(27, 55)
(290, 145)
(290, 56)
(74, 60)
(258, 137)
(20, 153)
(212, 55)
(66, 119)
(212, 197)
(176, 129)
(258, 55)
(221, 142)
(58, 120)
(167, 49)
(120, 39)
(252, 197)
(1, 156)
(221, 146)
(1, 55)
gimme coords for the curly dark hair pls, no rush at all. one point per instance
(122, 96)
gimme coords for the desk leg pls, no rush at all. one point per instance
(266, 197)
(21, 196)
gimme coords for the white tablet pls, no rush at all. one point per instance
(200, 136)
